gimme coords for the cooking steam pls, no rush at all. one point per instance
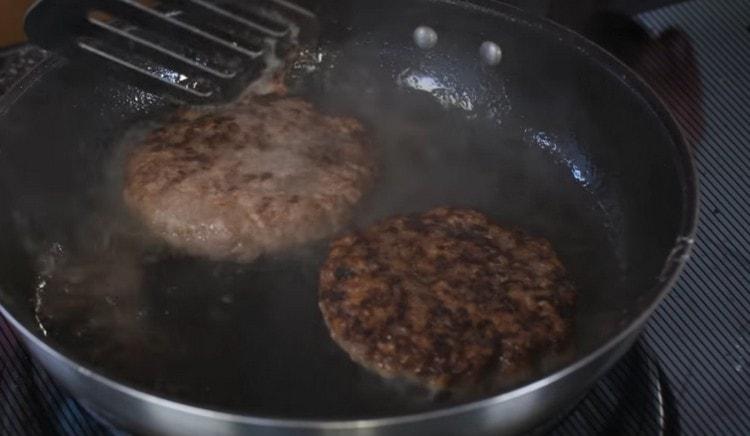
(444, 136)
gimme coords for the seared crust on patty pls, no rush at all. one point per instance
(259, 176)
(445, 297)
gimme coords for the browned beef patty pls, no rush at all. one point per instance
(256, 177)
(446, 297)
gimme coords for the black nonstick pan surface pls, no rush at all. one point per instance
(559, 139)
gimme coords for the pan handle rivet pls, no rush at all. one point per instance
(490, 53)
(425, 37)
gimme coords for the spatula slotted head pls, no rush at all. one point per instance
(198, 51)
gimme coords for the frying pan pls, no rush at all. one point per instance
(559, 139)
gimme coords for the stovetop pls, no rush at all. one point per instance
(690, 371)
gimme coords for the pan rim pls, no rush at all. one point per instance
(673, 266)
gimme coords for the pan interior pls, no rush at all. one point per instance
(551, 141)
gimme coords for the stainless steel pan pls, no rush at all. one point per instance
(559, 139)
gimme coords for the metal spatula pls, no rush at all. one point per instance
(199, 51)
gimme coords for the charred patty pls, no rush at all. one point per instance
(256, 177)
(445, 297)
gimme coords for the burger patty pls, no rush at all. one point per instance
(445, 297)
(256, 177)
